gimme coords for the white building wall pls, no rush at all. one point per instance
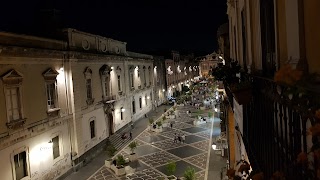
(41, 164)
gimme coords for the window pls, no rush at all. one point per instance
(20, 165)
(55, 147)
(88, 75)
(119, 83)
(133, 107)
(144, 75)
(121, 113)
(104, 72)
(12, 101)
(88, 87)
(150, 75)
(132, 80)
(13, 81)
(106, 87)
(140, 102)
(92, 129)
(51, 95)
(146, 99)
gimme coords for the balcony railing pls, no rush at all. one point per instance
(275, 129)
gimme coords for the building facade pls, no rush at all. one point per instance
(160, 84)
(265, 35)
(180, 70)
(87, 87)
(208, 62)
(35, 108)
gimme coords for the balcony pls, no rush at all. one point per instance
(109, 99)
(275, 126)
(16, 124)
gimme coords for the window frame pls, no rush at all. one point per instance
(92, 130)
(59, 147)
(121, 113)
(88, 76)
(18, 151)
(133, 103)
(140, 102)
(13, 79)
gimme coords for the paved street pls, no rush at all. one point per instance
(155, 150)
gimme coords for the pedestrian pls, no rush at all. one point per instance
(183, 137)
(175, 138)
(171, 125)
(179, 139)
(130, 134)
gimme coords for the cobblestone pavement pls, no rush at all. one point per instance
(156, 150)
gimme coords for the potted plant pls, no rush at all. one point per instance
(171, 169)
(159, 124)
(133, 156)
(111, 150)
(190, 174)
(151, 121)
(119, 170)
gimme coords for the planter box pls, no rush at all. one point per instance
(108, 163)
(133, 157)
(172, 177)
(202, 108)
(118, 171)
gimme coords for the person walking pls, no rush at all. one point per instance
(130, 134)
(171, 125)
(183, 137)
(175, 138)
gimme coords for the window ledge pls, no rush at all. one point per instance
(53, 112)
(15, 124)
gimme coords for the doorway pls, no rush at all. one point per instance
(111, 124)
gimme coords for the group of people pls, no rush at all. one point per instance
(180, 138)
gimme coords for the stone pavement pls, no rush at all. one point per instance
(139, 126)
(155, 150)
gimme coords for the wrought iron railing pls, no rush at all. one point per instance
(275, 127)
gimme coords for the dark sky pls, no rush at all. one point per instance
(147, 25)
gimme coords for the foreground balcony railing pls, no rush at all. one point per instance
(275, 126)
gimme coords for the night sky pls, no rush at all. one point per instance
(147, 25)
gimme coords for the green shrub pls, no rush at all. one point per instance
(171, 167)
(120, 160)
(190, 174)
(151, 120)
(133, 145)
(111, 150)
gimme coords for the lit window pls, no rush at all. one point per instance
(92, 129)
(55, 147)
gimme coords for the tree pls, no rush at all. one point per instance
(133, 145)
